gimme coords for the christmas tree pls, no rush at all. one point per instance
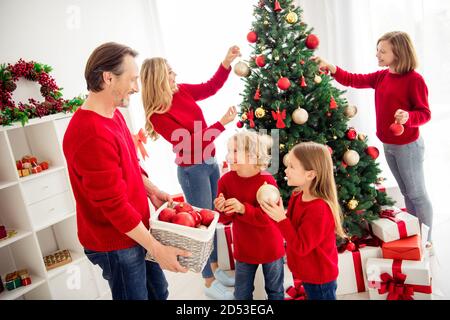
(286, 90)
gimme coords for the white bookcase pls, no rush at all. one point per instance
(41, 208)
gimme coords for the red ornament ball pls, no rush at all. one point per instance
(252, 36)
(312, 41)
(351, 246)
(397, 129)
(284, 83)
(260, 61)
(351, 134)
(239, 124)
(373, 152)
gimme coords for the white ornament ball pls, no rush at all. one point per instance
(317, 79)
(267, 193)
(300, 116)
(241, 69)
(351, 158)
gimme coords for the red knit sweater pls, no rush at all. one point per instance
(256, 238)
(393, 91)
(184, 125)
(310, 240)
(106, 180)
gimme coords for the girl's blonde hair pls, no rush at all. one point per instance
(156, 92)
(403, 50)
(257, 146)
(314, 156)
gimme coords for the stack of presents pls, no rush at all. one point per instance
(391, 264)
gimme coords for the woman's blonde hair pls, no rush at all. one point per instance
(314, 156)
(403, 49)
(156, 92)
(257, 146)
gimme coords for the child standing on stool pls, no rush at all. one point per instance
(312, 221)
(401, 95)
(256, 238)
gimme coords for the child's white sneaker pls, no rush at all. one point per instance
(224, 278)
(218, 291)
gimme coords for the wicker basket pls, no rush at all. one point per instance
(197, 241)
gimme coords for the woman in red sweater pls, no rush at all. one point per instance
(312, 220)
(172, 111)
(401, 95)
(256, 238)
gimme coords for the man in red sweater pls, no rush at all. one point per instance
(109, 186)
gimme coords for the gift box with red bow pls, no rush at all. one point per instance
(352, 261)
(398, 280)
(225, 257)
(393, 192)
(395, 224)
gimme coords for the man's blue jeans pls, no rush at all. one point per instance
(199, 184)
(129, 275)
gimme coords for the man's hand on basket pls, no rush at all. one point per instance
(167, 257)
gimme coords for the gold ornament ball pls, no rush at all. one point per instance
(317, 79)
(300, 116)
(352, 204)
(260, 112)
(241, 69)
(291, 17)
(266, 22)
(244, 117)
(335, 137)
(362, 137)
(282, 146)
(350, 111)
(351, 158)
(267, 193)
(277, 58)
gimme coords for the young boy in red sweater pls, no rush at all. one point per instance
(313, 219)
(256, 239)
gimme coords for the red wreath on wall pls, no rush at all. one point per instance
(33, 71)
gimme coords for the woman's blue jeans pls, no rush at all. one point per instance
(199, 184)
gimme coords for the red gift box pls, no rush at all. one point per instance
(296, 292)
(404, 249)
(225, 257)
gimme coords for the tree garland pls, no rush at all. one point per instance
(37, 72)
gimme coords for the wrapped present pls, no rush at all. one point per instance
(225, 257)
(404, 249)
(398, 280)
(395, 224)
(24, 277)
(3, 233)
(393, 191)
(57, 259)
(296, 292)
(12, 281)
(352, 261)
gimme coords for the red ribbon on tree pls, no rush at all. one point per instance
(279, 116)
(139, 140)
(401, 225)
(395, 285)
(251, 117)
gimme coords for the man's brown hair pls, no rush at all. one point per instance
(106, 58)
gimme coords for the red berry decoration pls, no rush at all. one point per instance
(312, 41)
(260, 61)
(397, 129)
(373, 152)
(252, 36)
(284, 83)
(351, 134)
(239, 124)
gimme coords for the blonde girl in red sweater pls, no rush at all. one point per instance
(401, 95)
(312, 220)
(256, 238)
